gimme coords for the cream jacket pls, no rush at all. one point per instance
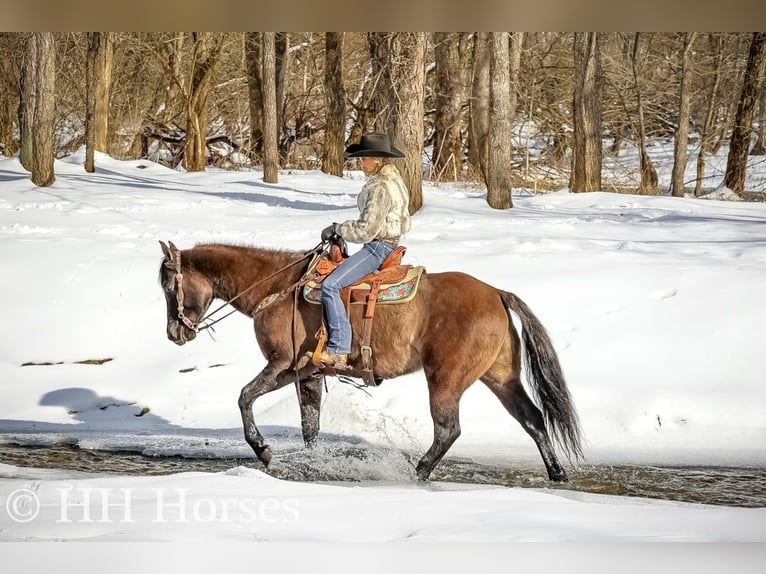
(383, 208)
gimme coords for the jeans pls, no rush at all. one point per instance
(361, 263)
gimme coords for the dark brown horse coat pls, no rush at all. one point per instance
(457, 329)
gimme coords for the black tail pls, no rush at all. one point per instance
(544, 375)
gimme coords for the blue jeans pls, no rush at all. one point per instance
(361, 263)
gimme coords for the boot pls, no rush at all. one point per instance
(329, 359)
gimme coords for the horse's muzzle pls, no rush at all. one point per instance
(180, 333)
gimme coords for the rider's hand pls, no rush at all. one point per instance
(329, 232)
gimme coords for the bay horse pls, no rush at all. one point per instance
(457, 329)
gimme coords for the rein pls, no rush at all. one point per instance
(261, 306)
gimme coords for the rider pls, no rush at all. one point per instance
(383, 218)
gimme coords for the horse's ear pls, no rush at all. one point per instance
(173, 247)
(165, 249)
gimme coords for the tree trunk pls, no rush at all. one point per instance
(379, 44)
(281, 64)
(335, 103)
(94, 39)
(586, 113)
(270, 144)
(103, 73)
(9, 92)
(760, 144)
(98, 79)
(736, 163)
(517, 43)
(649, 180)
(44, 116)
(408, 76)
(449, 50)
(479, 106)
(207, 47)
(499, 140)
(27, 103)
(682, 131)
(254, 64)
(706, 136)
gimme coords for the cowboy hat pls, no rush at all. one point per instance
(373, 144)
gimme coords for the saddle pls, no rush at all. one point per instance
(392, 283)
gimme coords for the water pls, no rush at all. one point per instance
(730, 486)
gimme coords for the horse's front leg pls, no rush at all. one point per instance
(269, 379)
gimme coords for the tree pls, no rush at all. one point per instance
(739, 144)
(98, 74)
(649, 180)
(450, 50)
(9, 91)
(270, 144)
(205, 52)
(499, 140)
(399, 66)
(254, 65)
(37, 103)
(682, 130)
(27, 103)
(760, 145)
(335, 97)
(586, 113)
(479, 105)
(706, 135)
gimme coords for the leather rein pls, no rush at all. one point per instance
(178, 277)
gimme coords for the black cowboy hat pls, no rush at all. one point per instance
(373, 144)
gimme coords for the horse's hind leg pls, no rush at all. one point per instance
(444, 412)
(444, 396)
(516, 401)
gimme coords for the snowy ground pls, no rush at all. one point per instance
(654, 304)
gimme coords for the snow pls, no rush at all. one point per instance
(654, 304)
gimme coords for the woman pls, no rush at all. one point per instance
(383, 218)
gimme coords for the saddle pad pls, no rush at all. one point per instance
(399, 292)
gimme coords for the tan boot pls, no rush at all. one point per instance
(331, 359)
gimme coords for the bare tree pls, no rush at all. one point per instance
(270, 144)
(254, 65)
(706, 135)
(479, 105)
(335, 97)
(27, 103)
(450, 49)
(205, 52)
(499, 140)
(760, 145)
(516, 48)
(736, 163)
(682, 131)
(98, 74)
(381, 105)
(399, 68)
(649, 180)
(37, 101)
(586, 112)
(9, 90)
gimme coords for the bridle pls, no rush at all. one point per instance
(175, 259)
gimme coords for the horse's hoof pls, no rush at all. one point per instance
(559, 477)
(264, 455)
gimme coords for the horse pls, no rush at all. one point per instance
(457, 329)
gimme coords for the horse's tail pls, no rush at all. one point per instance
(546, 379)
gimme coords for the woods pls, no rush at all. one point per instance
(540, 111)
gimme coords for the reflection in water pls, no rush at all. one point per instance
(731, 486)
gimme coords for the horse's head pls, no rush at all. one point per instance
(188, 295)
